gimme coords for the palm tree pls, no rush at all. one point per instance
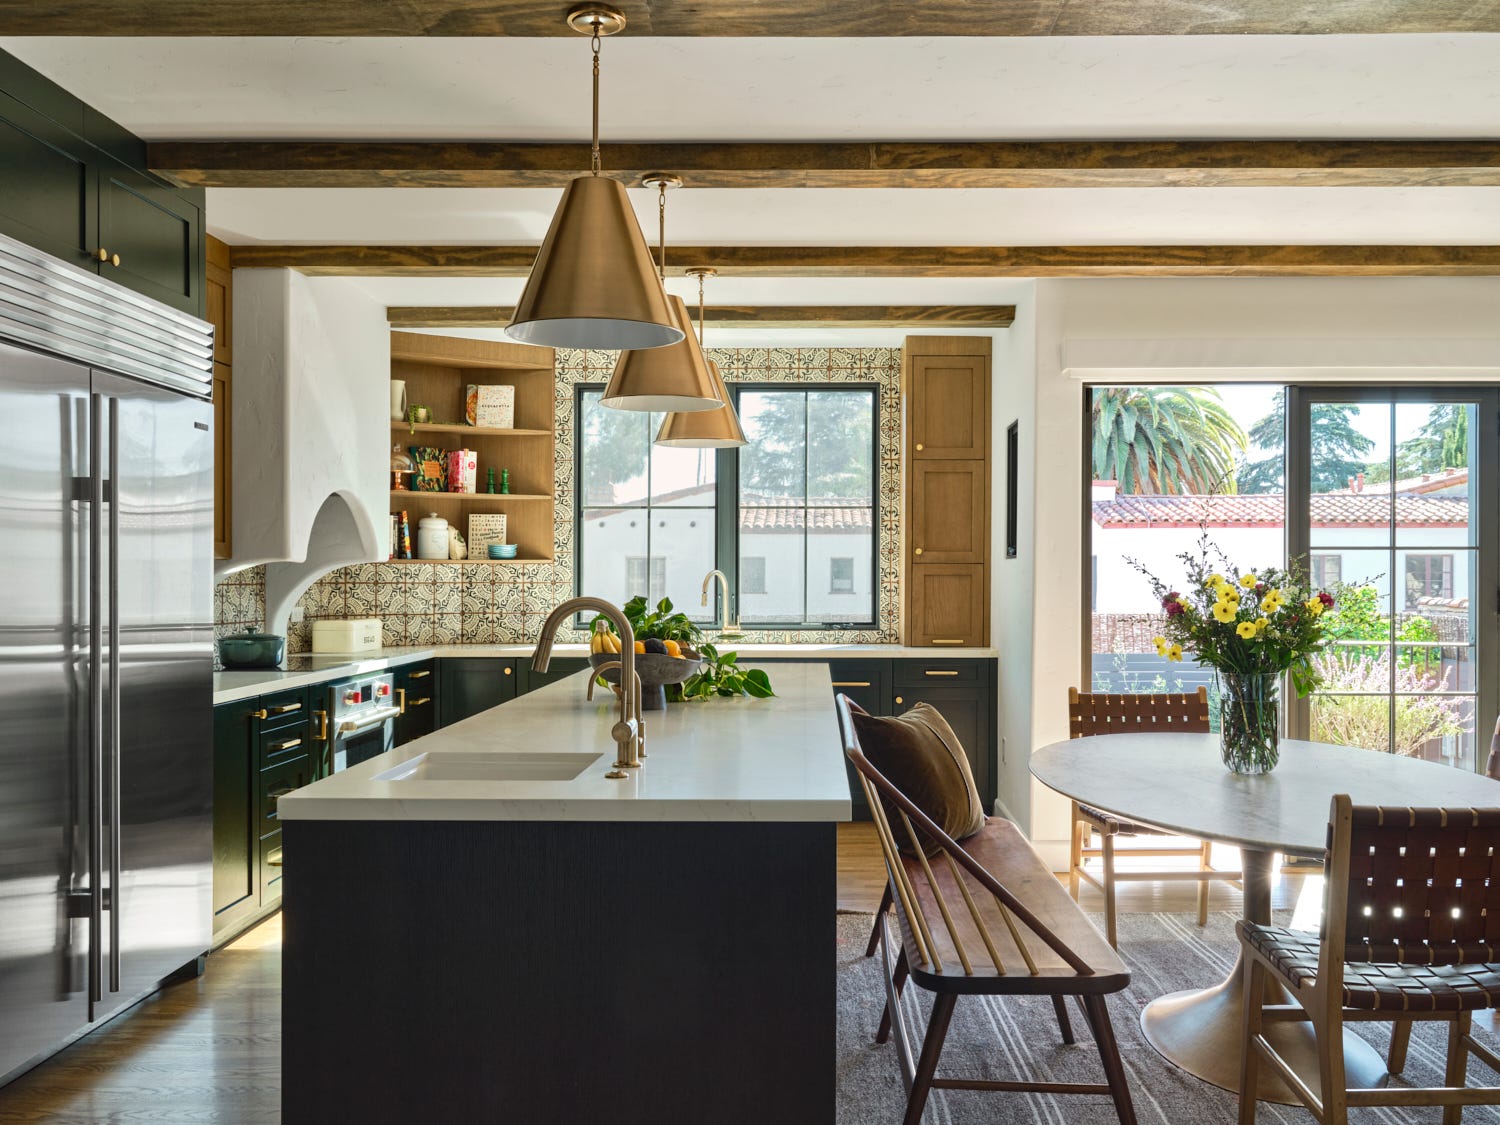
(1165, 440)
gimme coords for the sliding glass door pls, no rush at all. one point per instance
(1396, 500)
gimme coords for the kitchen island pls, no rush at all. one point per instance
(480, 926)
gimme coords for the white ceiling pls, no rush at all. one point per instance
(1188, 87)
(786, 89)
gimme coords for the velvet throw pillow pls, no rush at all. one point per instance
(920, 755)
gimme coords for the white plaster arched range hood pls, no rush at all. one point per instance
(310, 428)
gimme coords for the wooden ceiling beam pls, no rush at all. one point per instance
(748, 316)
(913, 261)
(1023, 164)
(793, 18)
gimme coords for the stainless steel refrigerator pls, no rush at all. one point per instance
(106, 592)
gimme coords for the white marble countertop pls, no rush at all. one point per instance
(1179, 782)
(322, 667)
(715, 760)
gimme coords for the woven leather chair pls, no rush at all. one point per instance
(970, 923)
(1411, 926)
(1131, 714)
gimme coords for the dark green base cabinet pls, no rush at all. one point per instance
(962, 690)
(263, 749)
(468, 685)
(417, 692)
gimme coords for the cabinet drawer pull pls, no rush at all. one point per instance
(285, 744)
(919, 550)
(273, 862)
(322, 717)
(105, 256)
(919, 447)
(851, 683)
(507, 671)
(401, 700)
(420, 702)
(419, 675)
(899, 699)
(938, 641)
(262, 714)
(285, 709)
(930, 672)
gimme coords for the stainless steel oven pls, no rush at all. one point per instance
(361, 720)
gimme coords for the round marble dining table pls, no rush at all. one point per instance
(1178, 782)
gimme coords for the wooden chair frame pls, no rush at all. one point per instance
(1090, 714)
(1354, 931)
(923, 947)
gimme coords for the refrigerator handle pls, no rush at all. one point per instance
(96, 707)
(115, 834)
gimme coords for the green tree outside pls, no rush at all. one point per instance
(1165, 441)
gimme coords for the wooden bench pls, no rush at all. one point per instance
(983, 918)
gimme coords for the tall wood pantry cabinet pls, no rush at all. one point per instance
(947, 463)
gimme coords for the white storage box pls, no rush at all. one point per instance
(356, 634)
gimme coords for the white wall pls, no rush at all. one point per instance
(1199, 330)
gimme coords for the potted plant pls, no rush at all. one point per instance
(1250, 626)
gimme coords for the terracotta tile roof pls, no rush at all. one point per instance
(1329, 509)
(852, 520)
(1427, 482)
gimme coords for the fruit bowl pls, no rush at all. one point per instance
(655, 670)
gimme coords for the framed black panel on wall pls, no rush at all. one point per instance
(1012, 490)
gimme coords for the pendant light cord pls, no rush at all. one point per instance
(700, 310)
(595, 163)
(661, 226)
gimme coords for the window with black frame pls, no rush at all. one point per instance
(790, 518)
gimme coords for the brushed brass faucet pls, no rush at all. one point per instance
(731, 627)
(630, 732)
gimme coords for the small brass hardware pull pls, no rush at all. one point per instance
(288, 744)
(419, 675)
(851, 683)
(899, 699)
(284, 709)
(262, 714)
(102, 254)
(401, 699)
(942, 641)
(919, 447)
(930, 672)
(919, 550)
(322, 717)
(507, 671)
(420, 702)
(273, 862)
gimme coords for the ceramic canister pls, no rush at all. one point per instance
(432, 537)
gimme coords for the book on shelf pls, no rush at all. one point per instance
(485, 528)
(493, 407)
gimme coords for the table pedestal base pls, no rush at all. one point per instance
(1202, 1030)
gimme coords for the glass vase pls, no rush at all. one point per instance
(1248, 715)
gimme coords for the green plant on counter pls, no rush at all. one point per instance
(722, 675)
(660, 624)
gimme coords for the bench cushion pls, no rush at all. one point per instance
(921, 756)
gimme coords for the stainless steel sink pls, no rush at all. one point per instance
(456, 765)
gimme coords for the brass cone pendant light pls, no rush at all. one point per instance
(593, 284)
(670, 378)
(704, 429)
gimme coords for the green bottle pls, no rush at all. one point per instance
(504, 480)
(490, 487)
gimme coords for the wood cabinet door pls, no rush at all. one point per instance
(948, 605)
(157, 234)
(48, 195)
(950, 414)
(949, 513)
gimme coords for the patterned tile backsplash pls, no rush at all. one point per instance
(443, 603)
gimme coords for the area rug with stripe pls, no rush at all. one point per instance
(1014, 1037)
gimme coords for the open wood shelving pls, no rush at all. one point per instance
(437, 370)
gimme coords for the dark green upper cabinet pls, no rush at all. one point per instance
(65, 189)
(156, 235)
(47, 190)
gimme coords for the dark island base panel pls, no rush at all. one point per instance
(636, 974)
